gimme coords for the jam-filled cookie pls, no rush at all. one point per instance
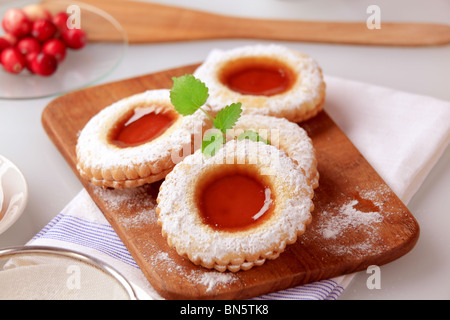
(267, 79)
(136, 140)
(287, 136)
(228, 212)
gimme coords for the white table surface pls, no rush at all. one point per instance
(423, 273)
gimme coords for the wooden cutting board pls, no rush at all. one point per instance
(357, 222)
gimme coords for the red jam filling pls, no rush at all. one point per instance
(234, 201)
(260, 77)
(140, 127)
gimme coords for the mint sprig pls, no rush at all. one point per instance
(226, 118)
(189, 94)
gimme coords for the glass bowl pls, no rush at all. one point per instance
(80, 68)
(53, 273)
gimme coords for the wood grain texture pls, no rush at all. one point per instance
(150, 22)
(330, 247)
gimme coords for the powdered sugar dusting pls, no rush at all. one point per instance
(139, 201)
(213, 278)
(209, 279)
(165, 262)
(348, 217)
(353, 227)
(376, 194)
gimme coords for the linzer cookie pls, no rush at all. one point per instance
(285, 135)
(228, 212)
(136, 140)
(267, 79)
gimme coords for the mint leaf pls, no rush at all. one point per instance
(226, 118)
(188, 94)
(252, 135)
(212, 142)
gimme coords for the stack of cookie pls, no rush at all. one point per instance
(243, 204)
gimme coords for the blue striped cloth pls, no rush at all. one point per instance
(96, 236)
(90, 233)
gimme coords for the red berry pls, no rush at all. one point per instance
(27, 45)
(4, 44)
(56, 48)
(74, 38)
(16, 22)
(35, 12)
(29, 58)
(10, 38)
(12, 60)
(43, 30)
(60, 21)
(44, 64)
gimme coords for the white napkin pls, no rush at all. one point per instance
(402, 135)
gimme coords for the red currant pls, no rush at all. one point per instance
(74, 38)
(27, 45)
(4, 44)
(36, 40)
(56, 48)
(10, 38)
(28, 59)
(43, 30)
(16, 22)
(44, 64)
(12, 60)
(60, 21)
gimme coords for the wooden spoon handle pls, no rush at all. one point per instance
(149, 22)
(357, 33)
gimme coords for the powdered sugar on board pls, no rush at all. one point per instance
(210, 279)
(348, 217)
(351, 228)
(139, 201)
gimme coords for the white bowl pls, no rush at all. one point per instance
(13, 192)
